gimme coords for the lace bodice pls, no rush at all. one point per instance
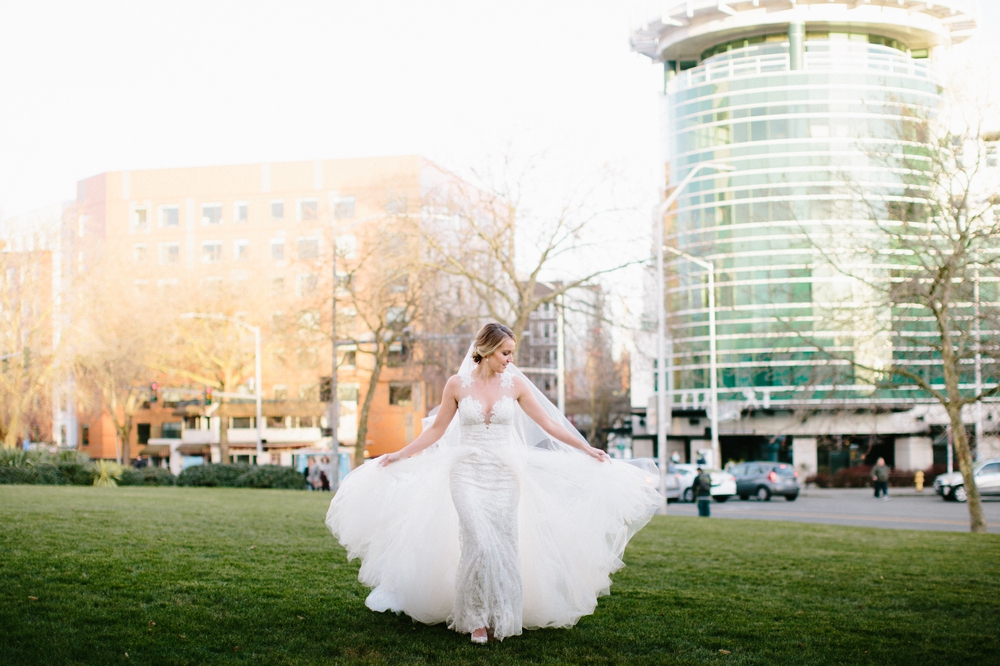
(482, 427)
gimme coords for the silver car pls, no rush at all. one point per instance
(987, 474)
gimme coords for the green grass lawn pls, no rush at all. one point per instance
(204, 575)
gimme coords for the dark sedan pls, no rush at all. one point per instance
(764, 479)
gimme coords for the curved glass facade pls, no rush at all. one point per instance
(794, 137)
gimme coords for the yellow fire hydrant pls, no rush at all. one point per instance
(918, 481)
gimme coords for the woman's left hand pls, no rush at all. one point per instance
(596, 454)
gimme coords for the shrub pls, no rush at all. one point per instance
(147, 476)
(272, 476)
(77, 472)
(821, 479)
(212, 475)
(34, 474)
(853, 477)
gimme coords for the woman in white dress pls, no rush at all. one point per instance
(496, 527)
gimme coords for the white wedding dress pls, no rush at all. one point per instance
(485, 530)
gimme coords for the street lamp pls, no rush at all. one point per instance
(661, 324)
(257, 380)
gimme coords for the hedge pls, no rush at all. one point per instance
(242, 475)
(146, 476)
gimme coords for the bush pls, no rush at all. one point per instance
(147, 476)
(821, 479)
(272, 476)
(212, 475)
(76, 472)
(34, 474)
(853, 477)
(242, 475)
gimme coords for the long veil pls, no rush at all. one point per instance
(529, 433)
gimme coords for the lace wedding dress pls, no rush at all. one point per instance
(485, 529)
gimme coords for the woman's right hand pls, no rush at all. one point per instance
(388, 458)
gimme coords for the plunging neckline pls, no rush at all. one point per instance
(487, 415)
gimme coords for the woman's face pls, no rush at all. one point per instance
(501, 358)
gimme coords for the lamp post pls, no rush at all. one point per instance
(661, 322)
(257, 379)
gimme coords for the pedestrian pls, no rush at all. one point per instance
(880, 477)
(703, 492)
(312, 474)
(324, 478)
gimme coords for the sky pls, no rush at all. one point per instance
(95, 85)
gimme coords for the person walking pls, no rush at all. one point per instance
(703, 492)
(880, 477)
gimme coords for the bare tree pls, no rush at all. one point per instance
(923, 271)
(29, 359)
(213, 352)
(473, 233)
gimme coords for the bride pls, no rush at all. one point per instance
(500, 524)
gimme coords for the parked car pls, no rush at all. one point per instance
(762, 479)
(952, 486)
(723, 483)
(673, 483)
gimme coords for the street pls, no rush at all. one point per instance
(906, 509)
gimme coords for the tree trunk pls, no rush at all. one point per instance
(125, 433)
(223, 415)
(977, 521)
(359, 446)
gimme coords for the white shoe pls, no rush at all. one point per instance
(481, 640)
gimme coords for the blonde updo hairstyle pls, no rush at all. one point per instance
(489, 339)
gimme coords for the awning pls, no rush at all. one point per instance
(194, 449)
(156, 450)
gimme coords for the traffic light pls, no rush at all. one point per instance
(208, 395)
(153, 388)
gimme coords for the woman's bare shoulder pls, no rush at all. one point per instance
(454, 383)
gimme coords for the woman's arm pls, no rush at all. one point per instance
(530, 405)
(449, 403)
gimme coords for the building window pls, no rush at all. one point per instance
(308, 392)
(81, 225)
(142, 432)
(139, 219)
(280, 393)
(241, 250)
(401, 394)
(211, 251)
(169, 216)
(344, 208)
(308, 209)
(139, 253)
(350, 359)
(85, 435)
(278, 210)
(308, 248)
(241, 212)
(170, 253)
(308, 283)
(278, 250)
(277, 286)
(242, 422)
(546, 331)
(172, 430)
(211, 213)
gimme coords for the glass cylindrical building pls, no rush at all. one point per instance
(795, 96)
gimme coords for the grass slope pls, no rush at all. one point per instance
(206, 575)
